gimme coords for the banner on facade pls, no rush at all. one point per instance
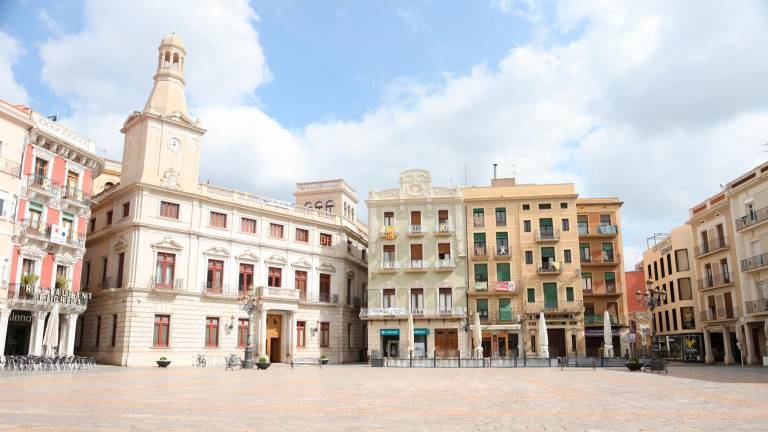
(59, 234)
(505, 286)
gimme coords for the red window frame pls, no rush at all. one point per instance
(245, 278)
(218, 220)
(326, 240)
(325, 288)
(325, 334)
(211, 332)
(169, 210)
(248, 225)
(274, 278)
(301, 332)
(165, 269)
(161, 337)
(300, 280)
(242, 332)
(215, 278)
(275, 230)
(302, 235)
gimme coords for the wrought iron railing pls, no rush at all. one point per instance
(710, 246)
(754, 262)
(752, 218)
(715, 280)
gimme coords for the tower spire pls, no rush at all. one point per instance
(167, 96)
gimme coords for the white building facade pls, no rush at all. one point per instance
(169, 258)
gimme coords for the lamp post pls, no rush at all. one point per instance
(651, 298)
(249, 303)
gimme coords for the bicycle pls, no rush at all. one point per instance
(233, 361)
(200, 361)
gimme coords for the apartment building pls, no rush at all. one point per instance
(718, 290)
(417, 268)
(677, 327)
(169, 258)
(748, 197)
(45, 178)
(523, 263)
(603, 284)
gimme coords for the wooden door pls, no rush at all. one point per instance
(446, 343)
(274, 327)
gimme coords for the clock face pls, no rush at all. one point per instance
(174, 144)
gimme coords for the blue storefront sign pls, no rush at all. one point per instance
(421, 332)
(389, 332)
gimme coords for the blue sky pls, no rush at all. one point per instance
(654, 102)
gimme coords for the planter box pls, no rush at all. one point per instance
(263, 366)
(163, 363)
(633, 366)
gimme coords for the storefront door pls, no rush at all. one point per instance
(274, 327)
(446, 343)
(19, 330)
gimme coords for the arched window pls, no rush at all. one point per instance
(167, 59)
(319, 205)
(329, 205)
(308, 204)
(175, 60)
(352, 216)
(108, 185)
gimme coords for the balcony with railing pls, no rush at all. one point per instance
(279, 293)
(550, 267)
(21, 294)
(715, 280)
(218, 289)
(502, 253)
(37, 184)
(388, 267)
(10, 167)
(445, 264)
(388, 232)
(166, 285)
(553, 306)
(416, 230)
(757, 306)
(752, 219)
(402, 313)
(547, 234)
(710, 247)
(443, 228)
(598, 230)
(480, 252)
(599, 319)
(602, 288)
(754, 263)
(719, 314)
(600, 258)
(75, 195)
(416, 266)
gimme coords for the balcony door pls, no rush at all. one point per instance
(215, 277)
(547, 257)
(550, 295)
(245, 281)
(417, 301)
(164, 269)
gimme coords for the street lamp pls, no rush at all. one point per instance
(652, 298)
(249, 303)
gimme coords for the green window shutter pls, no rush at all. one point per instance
(505, 309)
(68, 216)
(569, 294)
(479, 237)
(478, 211)
(501, 209)
(610, 276)
(608, 247)
(545, 222)
(548, 252)
(531, 295)
(481, 269)
(35, 206)
(501, 235)
(586, 275)
(550, 294)
(502, 272)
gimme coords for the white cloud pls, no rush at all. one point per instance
(10, 51)
(654, 102)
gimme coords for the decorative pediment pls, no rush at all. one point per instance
(326, 267)
(32, 251)
(120, 244)
(217, 251)
(167, 243)
(302, 262)
(248, 255)
(66, 258)
(277, 259)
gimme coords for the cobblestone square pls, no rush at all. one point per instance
(364, 398)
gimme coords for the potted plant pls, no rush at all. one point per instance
(263, 363)
(163, 362)
(62, 283)
(29, 279)
(633, 364)
(323, 359)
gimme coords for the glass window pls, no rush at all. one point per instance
(446, 300)
(126, 209)
(566, 223)
(300, 281)
(389, 218)
(248, 225)
(242, 332)
(211, 332)
(681, 260)
(274, 277)
(482, 308)
(529, 257)
(567, 256)
(302, 235)
(502, 244)
(563, 205)
(326, 240)
(531, 295)
(610, 281)
(215, 277)
(545, 206)
(218, 220)
(526, 207)
(325, 288)
(478, 217)
(417, 300)
(388, 298)
(526, 226)
(275, 230)
(586, 282)
(164, 269)
(167, 209)
(161, 336)
(245, 278)
(501, 216)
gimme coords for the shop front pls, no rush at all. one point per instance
(390, 341)
(595, 336)
(685, 347)
(420, 342)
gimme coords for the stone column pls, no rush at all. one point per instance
(750, 347)
(727, 346)
(262, 351)
(36, 335)
(291, 334)
(568, 347)
(4, 316)
(709, 358)
(70, 331)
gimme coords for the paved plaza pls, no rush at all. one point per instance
(364, 398)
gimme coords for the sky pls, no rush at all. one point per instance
(658, 103)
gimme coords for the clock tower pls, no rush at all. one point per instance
(162, 143)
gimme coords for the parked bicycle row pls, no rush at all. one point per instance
(17, 363)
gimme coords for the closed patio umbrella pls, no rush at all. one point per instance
(477, 335)
(51, 337)
(543, 338)
(607, 335)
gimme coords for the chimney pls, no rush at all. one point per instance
(494, 170)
